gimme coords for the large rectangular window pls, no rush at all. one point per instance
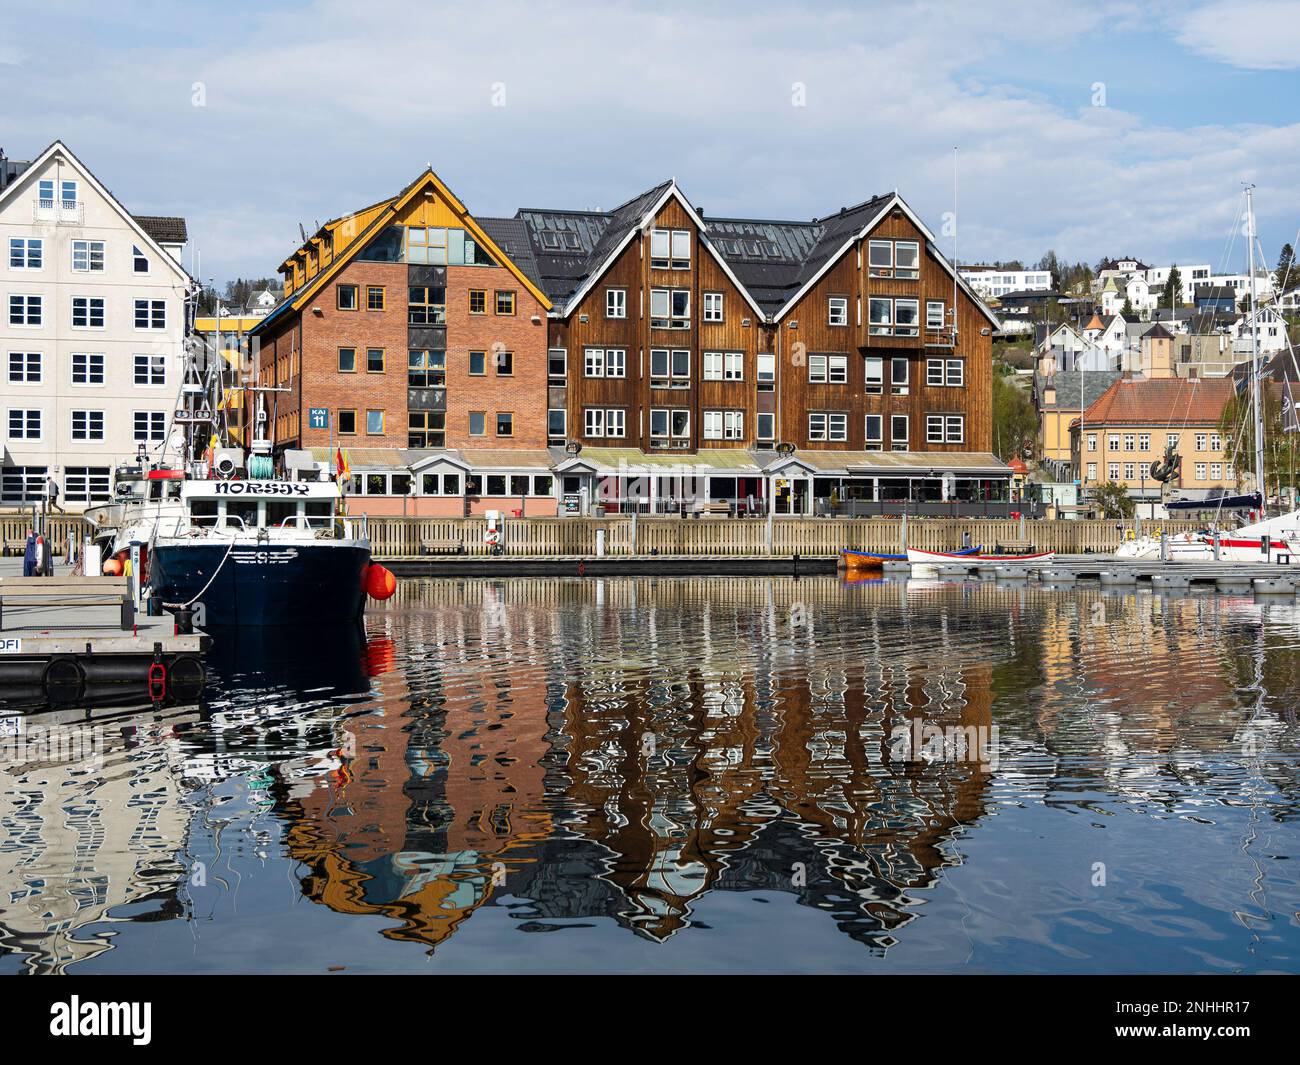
(150, 314)
(25, 367)
(945, 428)
(87, 368)
(427, 305)
(23, 484)
(830, 426)
(26, 310)
(148, 426)
(86, 484)
(87, 425)
(88, 256)
(426, 428)
(88, 312)
(670, 249)
(670, 308)
(875, 432)
(24, 423)
(149, 371)
(426, 368)
(26, 253)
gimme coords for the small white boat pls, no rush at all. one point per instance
(933, 558)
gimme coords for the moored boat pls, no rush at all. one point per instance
(876, 559)
(931, 558)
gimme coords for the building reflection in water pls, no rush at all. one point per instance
(619, 749)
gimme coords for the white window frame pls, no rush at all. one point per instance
(771, 422)
(712, 306)
(91, 363)
(934, 322)
(873, 368)
(27, 244)
(593, 362)
(88, 433)
(151, 308)
(29, 301)
(954, 373)
(151, 363)
(26, 417)
(615, 423)
(876, 442)
(90, 302)
(882, 269)
(907, 273)
(765, 371)
(138, 256)
(564, 422)
(711, 366)
(593, 422)
(24, 366)
(895, 439)
(837, 310)
(84, 251)
(615, 303)
(149, 417)
(733, 365)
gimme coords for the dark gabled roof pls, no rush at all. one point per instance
(1159, 332)
(163, 228)
(1069, 383)
(511, 236)
(1215, 292)
(569, 246)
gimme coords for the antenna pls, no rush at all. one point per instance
(302, 233)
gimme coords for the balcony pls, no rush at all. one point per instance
(63, 212)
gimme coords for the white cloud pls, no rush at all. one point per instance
(314, 112)
(1250, 34)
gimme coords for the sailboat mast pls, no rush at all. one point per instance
(1256, 398)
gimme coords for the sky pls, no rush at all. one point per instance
(1101, 129)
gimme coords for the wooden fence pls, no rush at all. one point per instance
(410, 537)
(407, 537)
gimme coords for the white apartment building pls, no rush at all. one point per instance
(991, 283)
(94, 308)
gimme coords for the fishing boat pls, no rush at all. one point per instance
(876, 559)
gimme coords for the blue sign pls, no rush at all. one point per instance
(318, 418)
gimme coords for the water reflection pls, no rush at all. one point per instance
(583, 755)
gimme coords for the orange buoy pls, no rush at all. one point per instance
(379, 582)
(112, 567)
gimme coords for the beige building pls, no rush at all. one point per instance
(94, 307)
(1135, 420)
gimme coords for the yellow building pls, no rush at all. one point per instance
(1135, 420)
(234, 350)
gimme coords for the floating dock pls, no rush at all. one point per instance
(69, 640)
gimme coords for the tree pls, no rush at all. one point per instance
(1126, 312)
(1114, 500)
(1285, 274)
(1174, 287)
(1050, 263)
(1281, 450)
(1015, 423)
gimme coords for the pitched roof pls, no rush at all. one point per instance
(165, 229)
(1069, 383)
(1162, 401)
(511, 236)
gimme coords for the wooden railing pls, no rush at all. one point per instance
(394, 537)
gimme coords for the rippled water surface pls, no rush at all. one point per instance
(685, 775)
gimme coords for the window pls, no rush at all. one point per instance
(934, 372)
(713, 306)
(670, 249)
(45, 194)
(139, 261)
(505, 423)
(427, 305)
(557, 365)
(898, 376)
(670, 308)
(347, 360)
(945, 428)
(1200, 471)
(1130, 441)
(555, 423)
(374, 297)
(767, 427)
(765, 371)
(149, 371)
(24, 367)
(150, 314)
(504, 362)
(955, 370)
(934, 315)
(724, 366)
(347, 422)
(86, 484)
(724, 425)
(1112, 442)
(1130, 471)
(374, 360)
(1216, 442)
(426, 369)
(87, 425)
(1171, 440)
(670, 368)
(898, 432)
(346, 297)
(25, 310)
(374, 422)
(880, 258)
(88, 256)
(1201, 439)
(615, 303)
(880, 316)
(478, 423)
(87, 312)
(477, 363)
(87, 369)
(68, 194)
(828, 369)
(1216, 471)
(874, 369)
(23, 484)
(505, 302)
(1112, 471)
(615, 422)
(875, 432)
(426, 428)
(837, 310)
(1092, 441)
(1092, 471)
(24, 424)
(907, 259)
(828, 426)
(26, 253)
(593, 421)
(906, 318)
(478, 301)
(147, 425)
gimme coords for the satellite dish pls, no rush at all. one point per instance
(176, 441)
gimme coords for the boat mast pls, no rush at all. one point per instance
(1255, 391)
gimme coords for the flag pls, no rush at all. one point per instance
(341, 468)
(1290, 419)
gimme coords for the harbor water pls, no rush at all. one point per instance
(684, 775)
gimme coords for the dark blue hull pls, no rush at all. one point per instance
(278, 584)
